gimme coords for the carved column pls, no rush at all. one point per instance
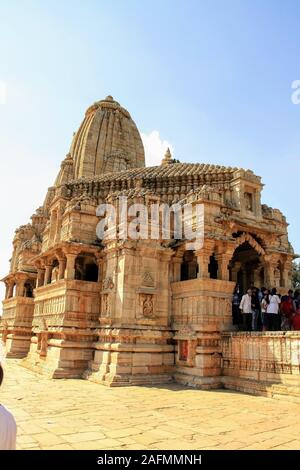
(100, 268)
(285, 274)
(203, 258)
(223, 262)
(11, 289)
(59, 217)
(256, 277)
(7, 288)
(62, 268)
(70, 268)
(203, 263)
(176, 269)
(270, 265)
(234, 271)
(40, 277)
(48, 274)
(20, 288)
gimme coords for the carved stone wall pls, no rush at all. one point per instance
(263, 363)
(16, 324)
(201, 309)
(64, 326)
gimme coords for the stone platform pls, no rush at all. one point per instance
(78, 414)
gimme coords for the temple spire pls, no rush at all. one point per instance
(167, 158)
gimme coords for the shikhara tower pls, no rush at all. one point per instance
(144, 311)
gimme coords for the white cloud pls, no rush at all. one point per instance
(3, 92)
(155, 147)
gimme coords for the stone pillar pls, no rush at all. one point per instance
(235, 270)
(177, 261)
(62, 268)
(256, 277)
(223, 262)
(203, 257)
(40, 277)
(20, 288)
(270, 265)
(48, 274)
(192, 269)
(11, 289)
(6, 289)
(285, 274)
(100, 269)
(70, 268)
(59, 217)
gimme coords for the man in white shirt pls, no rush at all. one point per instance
(246, 308)
(273, 311)
(8, 427)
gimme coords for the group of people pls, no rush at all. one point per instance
(266, 310)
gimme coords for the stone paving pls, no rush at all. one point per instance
(77, 414)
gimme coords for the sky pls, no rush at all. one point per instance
(212, 79)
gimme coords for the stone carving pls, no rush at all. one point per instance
(246, 237)
(147, 306)
(108, 283)
(106, 306)
(55, 273)
(248, 197)
(148, 279)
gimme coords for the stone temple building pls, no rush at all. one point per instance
(146, 311)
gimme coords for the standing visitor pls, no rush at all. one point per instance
(287, 310)
(264, 308)
(236, 299)
(296, 315)
(8, 428)
(255, 308)
(246, 309)
(273, 312)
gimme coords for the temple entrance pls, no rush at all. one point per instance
(246, 268)
(189, 266)
(86, 268)
(28, 289)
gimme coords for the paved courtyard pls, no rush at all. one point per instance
(76, 414)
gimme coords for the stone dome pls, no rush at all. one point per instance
(107, 141)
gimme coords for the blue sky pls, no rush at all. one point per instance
(213, 78)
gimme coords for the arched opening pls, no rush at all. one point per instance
(213, 267)
(28, 288)
(86, 268)
(55, 270)
(189, 266)
(245, 267)
(14, 290)
(278, 275)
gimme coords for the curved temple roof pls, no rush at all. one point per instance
(107, 141)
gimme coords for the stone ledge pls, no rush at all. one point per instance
(265, 389)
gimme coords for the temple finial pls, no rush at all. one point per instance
(167, 158)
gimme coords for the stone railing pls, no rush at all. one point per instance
(9, 310)
(264, 363)
(202, 301)
(201, 309)
(16, 324)
(67, 303)
(18, 310)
